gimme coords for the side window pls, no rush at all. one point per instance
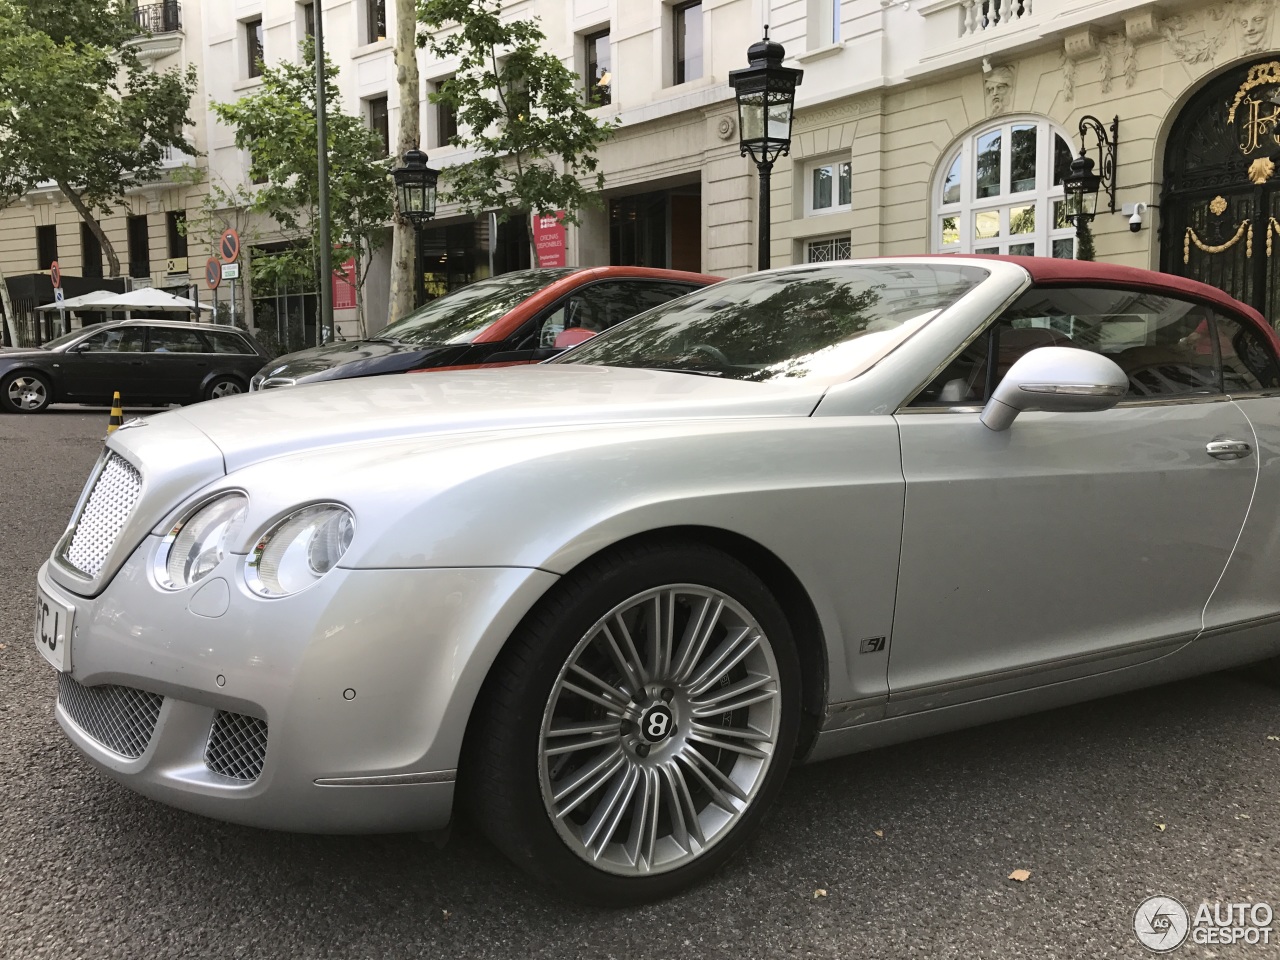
(1248, 362)
(227, 343)
(1162, 344)
(177, 340)
(119, 340)
(599, 306)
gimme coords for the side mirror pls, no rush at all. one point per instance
(1056, 380)
(80, 347)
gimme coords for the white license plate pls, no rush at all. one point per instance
(53, 630)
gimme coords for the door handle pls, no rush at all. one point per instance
(1228, 449)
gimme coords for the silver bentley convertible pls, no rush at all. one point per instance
(600, 605)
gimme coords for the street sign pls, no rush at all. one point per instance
(231, 271)
(212, 273)
(58, 295)
(229, 246)
(55, 274)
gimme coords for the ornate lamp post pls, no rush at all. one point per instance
(1081, 185)
(766, 93)
(416, 193)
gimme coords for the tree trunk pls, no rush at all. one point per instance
(404, 282)
(95, 227)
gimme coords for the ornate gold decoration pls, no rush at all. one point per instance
(1273, 229)
(1218, 206)
(1244, 230)
(1259, 75)
(1260, 170)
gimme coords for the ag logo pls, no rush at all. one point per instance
(1161, 924)
(656, 723)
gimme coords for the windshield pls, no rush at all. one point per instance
(836, 321)
(460, 316)
(68, 337)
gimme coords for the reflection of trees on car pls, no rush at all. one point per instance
(769, 326)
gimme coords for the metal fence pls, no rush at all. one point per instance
(164, 17)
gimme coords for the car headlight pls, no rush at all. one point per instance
(299, 550)
(196, 545)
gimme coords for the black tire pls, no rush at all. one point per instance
(25, 391)
(224, 386)
(501, 784)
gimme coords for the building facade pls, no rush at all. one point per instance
(922, 126)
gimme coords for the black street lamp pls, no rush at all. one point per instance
(1081, 185)
(416, 193)
(766, 92)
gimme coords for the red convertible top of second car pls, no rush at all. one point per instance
(1052, 270)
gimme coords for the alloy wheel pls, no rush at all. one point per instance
(224, 388)
(659, 730)
(27, 393)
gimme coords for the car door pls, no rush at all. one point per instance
(109, 361)
(1070, 543)
(1246, 595)
(178, 359)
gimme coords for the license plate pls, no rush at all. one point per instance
(53, 630)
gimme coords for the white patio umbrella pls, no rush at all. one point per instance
(80, 302)
(148, 298)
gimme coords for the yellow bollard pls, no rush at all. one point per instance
(117, 415)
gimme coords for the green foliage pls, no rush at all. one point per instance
(518, 107)
(80, 109)
(1084, 241)
(277, 125)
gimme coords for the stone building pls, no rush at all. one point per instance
(921, 126)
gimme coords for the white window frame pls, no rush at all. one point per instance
(836, 206)
(824, 23)
(966, 210)
(835, 238)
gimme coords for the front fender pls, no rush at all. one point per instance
(824, 495)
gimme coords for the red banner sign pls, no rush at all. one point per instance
(549, 239)
(344, 286)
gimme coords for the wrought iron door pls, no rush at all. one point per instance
(1221, 200)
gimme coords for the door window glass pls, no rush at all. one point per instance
(1248, 363)
(120, 340)
(227, 343)
(1162, 344)
(587, 311)
(177, 340)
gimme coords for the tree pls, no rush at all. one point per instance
(519, 108)
(277, 126)
(404, 282)
(84, 112)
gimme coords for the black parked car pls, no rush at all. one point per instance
(148, 361)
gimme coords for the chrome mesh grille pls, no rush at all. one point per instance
(237, 746)
(96, 529)
(120, 718)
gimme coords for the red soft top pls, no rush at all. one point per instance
(1052, 271)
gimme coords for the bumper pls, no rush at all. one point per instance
(360, 687)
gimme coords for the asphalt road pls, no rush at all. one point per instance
(87, 869)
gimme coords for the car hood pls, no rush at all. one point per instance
(253, 427)
(356, 356)
(23, 352)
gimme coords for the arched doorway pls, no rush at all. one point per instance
(1221, 200)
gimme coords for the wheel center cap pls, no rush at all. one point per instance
(656, 723)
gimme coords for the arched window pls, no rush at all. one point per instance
(1000, 191)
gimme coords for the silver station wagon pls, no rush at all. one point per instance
(602, 604)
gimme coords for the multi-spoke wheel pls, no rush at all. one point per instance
(637, 725)
(223, 387)
(25, 392)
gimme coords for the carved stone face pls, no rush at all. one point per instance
(999, 87)
(1254, 21)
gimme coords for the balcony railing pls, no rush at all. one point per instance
(982, 16)
(163, 17)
